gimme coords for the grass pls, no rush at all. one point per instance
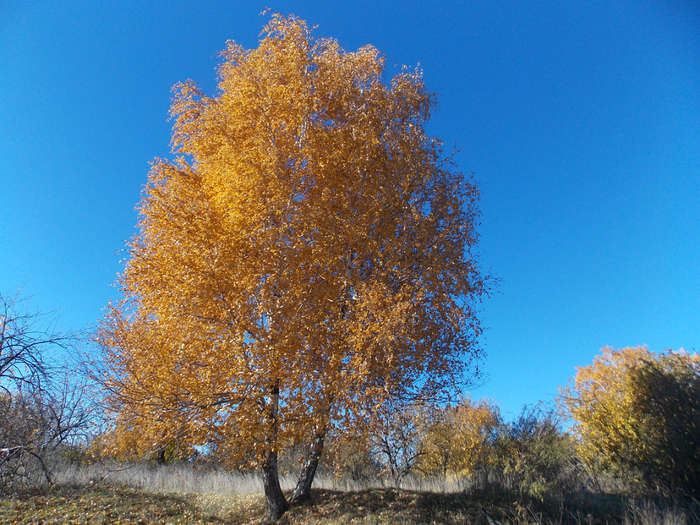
(184, 478)
(384, 506)
(102, 504)
(182, 495)
(99, 505)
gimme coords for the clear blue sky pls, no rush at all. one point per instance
(580, 120)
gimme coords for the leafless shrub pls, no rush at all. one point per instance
(39, 415)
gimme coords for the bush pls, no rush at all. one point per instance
(638, 417)
(35, 431)
(456, 439)
(533, 456)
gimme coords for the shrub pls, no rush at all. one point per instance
(637, 416)
(533, 455)
(456, 440)
(35, 429)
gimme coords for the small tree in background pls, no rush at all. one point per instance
(396, 438)
(124, 441)
(637, 416)
(456, 440)
(40, 414)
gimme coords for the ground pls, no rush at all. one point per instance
(103, 504)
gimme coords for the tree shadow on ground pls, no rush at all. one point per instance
(490, 507)
(389, 505)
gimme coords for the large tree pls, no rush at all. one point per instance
(303, 258)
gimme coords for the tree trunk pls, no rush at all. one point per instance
(302, 492)
(276, 502)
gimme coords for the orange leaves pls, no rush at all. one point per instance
(309, 235)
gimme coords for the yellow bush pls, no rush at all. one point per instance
(455, 441)
(637, 415)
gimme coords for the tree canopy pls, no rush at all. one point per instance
(304, 257)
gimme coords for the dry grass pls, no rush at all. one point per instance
(649, 513)
(143, 494)
(105, 504)
(186, 479)
(99, 505)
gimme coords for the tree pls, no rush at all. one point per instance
(304, 258)
(38, 413)
(350, 457)
(637, 415)
(456, 443)
(22, 349)
(396, 438)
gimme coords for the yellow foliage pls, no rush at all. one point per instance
(455, 443)
(601, 401)
(303, 258)
(636, 414)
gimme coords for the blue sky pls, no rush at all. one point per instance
(580, 121)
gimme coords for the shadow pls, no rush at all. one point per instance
(477, 507)
(388, 505)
